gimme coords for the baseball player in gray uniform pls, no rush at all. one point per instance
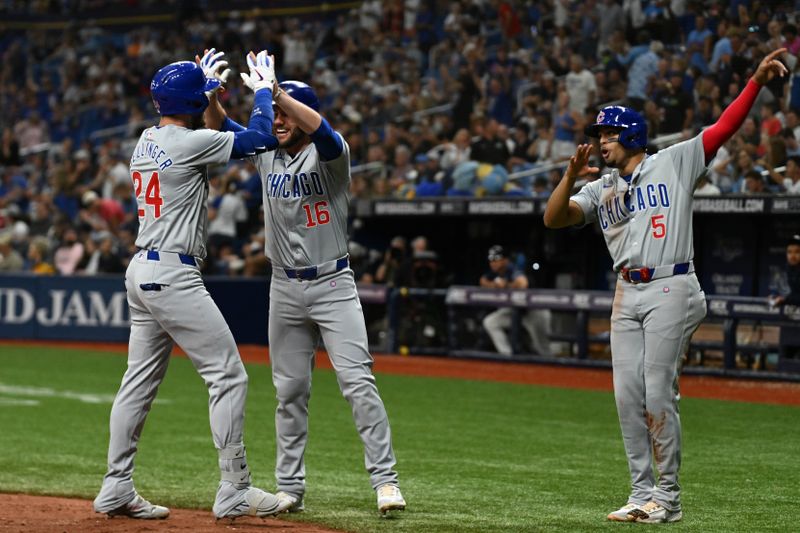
(168, 301)
(313, 293)
(644, 208)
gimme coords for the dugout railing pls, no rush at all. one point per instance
(403, 314)
(416, 320)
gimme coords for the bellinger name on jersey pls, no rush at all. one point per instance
(151, 150)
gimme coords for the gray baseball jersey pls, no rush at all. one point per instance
(305, 206)
(170, 304)
(306, 202)
(170, 179)
(647, 222)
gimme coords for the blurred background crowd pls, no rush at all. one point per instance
(471, 98)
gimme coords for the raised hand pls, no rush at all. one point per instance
(262, 71)
(770, 67)
(579, 163)
(213, 65)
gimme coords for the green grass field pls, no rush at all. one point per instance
(473, 456)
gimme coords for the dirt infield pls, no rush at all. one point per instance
(43, 514)
(23, 513)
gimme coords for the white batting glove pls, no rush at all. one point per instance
(262, 71)
(214, 67)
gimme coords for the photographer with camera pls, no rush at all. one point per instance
(385, 272)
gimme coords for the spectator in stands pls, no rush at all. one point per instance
(541, 187)
(748, 137)
(754, 183)
(704, 187)
(790, 142)
(225, 212)
(524, 153)
(402, 174)
(744, 164)
(499, 100)
(791, 39)
(455, 152)
(38, 252)
(502, 274)
(722, 51)
(10, 259)
(610, 21)
(14, 189)
(790, 183)
(100, 256)
(489, 148)
(675, 106)
(100, 214)
(699, 44)
(580, 85)
(770, 127)
(69, 252)
(567, 124)
(30, 131)
(9, 149)
(641, 75)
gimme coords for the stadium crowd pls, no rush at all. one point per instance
(461, 98)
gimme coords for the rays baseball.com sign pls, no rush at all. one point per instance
(63, 308)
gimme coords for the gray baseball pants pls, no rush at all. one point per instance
(180, 312)
(301, 312)
(651, 325)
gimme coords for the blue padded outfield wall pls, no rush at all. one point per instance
(95, 308)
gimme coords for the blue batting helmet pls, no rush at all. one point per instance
(632, 126)
(180, 89)
(301, 92)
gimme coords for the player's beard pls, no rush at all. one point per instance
(296, 137)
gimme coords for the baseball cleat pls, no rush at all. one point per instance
(655, 513)
(390, 498)
(254, 502)
(295, 502)
(140, 508)
(623, 513)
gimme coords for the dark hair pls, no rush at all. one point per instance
(787, 132)
(795, 158)
(755, 174)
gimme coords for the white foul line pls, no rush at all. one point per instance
(46, 392)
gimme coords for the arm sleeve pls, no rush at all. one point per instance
(257, 138)
(587, 199)
(731, 120)
(231, 125)
(329, 143)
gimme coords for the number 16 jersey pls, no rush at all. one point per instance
(306, 201)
